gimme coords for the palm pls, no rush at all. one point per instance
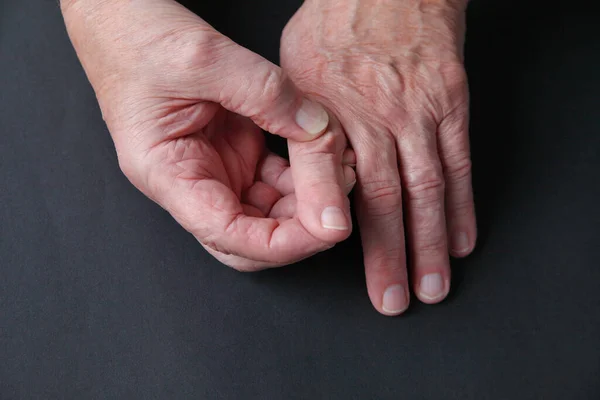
(228, 159)
(230, 151)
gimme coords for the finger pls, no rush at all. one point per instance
(261, 196)
(453, 141)
(239, 144)
(379, 211)
(284, 208)
(252, 211)
(349, 179)
(323, 206)
(275, 171)
(247, 84)
(240, 263)
(349, 157)
(213, 214)
(244, 264)
(423, 181)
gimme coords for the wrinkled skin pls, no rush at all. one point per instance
(392, 73)
(185, 105)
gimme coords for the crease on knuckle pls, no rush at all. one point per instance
(388, 261)
(458, 169)
(328, 145)
(425, 190)
(318, 189)
(460, 209)
(383, 198)
(269, 86)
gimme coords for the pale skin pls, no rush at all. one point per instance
(375, 85)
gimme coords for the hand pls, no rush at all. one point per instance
(392, 72)
(184, 105)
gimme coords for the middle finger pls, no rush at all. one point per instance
(423, 185)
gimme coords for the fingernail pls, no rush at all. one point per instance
(334, 218)
(394, 300)
(349, 189)
(312, 117)
(349, 158)
(349, 177)
(432, 287)
(460, 242)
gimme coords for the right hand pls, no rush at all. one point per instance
(184, 105)
(392, 72)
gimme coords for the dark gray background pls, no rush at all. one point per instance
(103, 296)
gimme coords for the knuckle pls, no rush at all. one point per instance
(319, 191)
(379, 83)
(324, 147)
(458, 169)
(331, 142)
(314, 164)
(383, 198)
(266, 92)
(390, 261)
(460, 209)
(425, 187)
(270, 84)
(202, 48)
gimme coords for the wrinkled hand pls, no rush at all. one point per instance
(392, 72)
(185, 105)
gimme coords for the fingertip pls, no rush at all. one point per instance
(432, 288)
(395, 300)
(462, 242)
(329, 223)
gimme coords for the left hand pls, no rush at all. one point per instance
(392, 72)
(184, 105)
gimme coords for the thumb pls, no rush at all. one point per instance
(247, 84)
